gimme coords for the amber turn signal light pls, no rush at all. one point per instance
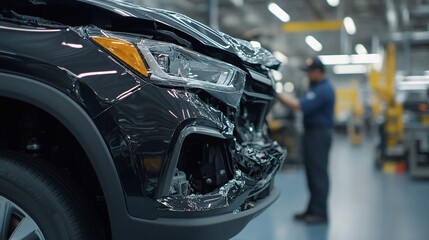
(123, 50)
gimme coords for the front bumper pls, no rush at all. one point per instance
(218, 227)
(149, 133)
(156, 131)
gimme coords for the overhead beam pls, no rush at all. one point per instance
(312, 26)
(412, 37)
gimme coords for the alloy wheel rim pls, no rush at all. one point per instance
(16, 224)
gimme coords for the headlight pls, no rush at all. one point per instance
(172, 65)
(177, 65)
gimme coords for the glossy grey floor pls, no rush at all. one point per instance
(365, 204)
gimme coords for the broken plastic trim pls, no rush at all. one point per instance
(267, 159)
(254, 55)
(194, 202)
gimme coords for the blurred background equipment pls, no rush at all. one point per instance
(349, 112)
(391, 129)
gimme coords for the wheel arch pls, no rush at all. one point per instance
(73, 117)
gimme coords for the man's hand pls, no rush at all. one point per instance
(290, 101)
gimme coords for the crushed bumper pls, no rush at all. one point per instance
(218, 227)
(254, 167)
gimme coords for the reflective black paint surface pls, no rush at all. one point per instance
(65, 60)
(191, 27)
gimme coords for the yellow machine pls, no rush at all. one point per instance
(349, 105)
(384, 102)
(383, 86)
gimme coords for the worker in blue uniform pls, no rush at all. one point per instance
(317, 106)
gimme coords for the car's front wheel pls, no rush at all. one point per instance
(17, 223)
(38, 203)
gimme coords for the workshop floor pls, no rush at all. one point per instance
(365, 204)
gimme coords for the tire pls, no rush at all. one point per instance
(36, 192)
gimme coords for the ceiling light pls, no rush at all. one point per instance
(335, 59)
(416, 79)
(313, 43)
(333, 3)
(281, 57)
(414, 83)
(360, 49)
(365, 58)
(412, 87)
(255, 44)
(350, 69)
(278, 12)
(351, 59)
(350, 26)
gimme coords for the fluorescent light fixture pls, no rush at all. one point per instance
(350, 69)
(313, 43)
(333, 3)
(360, 49)
(335, 59)
(281, 57)
(412, 87)
(350, 26)
(351, 59)
(420, 84)
(255, 44)
(416, 79)
(366, 58)
(278, 12)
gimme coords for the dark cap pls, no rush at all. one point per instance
(312, 64)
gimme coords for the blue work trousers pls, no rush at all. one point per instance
(317, 143)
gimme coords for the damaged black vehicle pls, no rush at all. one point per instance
(125, 122)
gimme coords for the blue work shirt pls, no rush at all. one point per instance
(318, 105)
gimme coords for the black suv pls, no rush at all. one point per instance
(124, 122)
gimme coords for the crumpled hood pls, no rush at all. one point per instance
(193, 28)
